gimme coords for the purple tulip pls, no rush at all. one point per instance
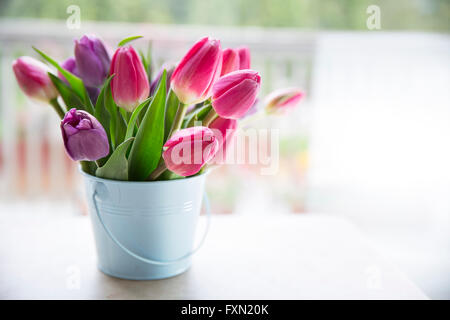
(92, 60)
(169, 69)
(84, 137)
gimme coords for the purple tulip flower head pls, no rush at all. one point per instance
(84, 137)
(92, 60)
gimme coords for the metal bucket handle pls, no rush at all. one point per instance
(153, 261)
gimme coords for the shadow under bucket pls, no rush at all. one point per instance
(145, 230)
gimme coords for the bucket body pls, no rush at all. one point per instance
(144, 230)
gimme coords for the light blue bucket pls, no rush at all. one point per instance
(145, 230)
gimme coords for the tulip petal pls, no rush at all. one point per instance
(92, 60)
(192, 79)
(232, 79)
(32, 77)
(189, 149)
(244, 58)
(130, 85)
(84, 137)
(230, 61)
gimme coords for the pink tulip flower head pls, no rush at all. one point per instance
(129, 86)
(194, 76)
(189, 149)
(234, 93)
(32, 77)
(244, 58)
(230, 61)
(282, 100)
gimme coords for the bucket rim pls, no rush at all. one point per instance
(95, 178)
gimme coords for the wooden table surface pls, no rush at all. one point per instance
(48, 252)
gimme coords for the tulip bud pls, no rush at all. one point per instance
(130, 84)
(92, 60)
(189, 149)
(230, 61)
(169, 71)
(84, 137)
(244, 58)
(33, 79)
(225, 132)
(194, 76)
(234, 93)
(282, 100)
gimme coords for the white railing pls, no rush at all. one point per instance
(32, 159)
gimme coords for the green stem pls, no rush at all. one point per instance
(125, 115)
(210, 117)
(195, 117)
(57, 107)
(198, 106)
(158, 171)
(178, 120)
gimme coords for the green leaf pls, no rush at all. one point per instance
(147, 61)
(117, 126)
(71, 100)
(102, 114)
(116, 168)
(171, 109)
(197, 115)
(147, 148)
(134, 117)
(126, 40)
(101, 111)
(76, 84)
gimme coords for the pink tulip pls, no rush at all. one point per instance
(230, 61)
(225, 133)
(244, 58)
(129, 85)
(33, 79)
(234, 93)
(194, 76)
(189, 149)
(282, 100)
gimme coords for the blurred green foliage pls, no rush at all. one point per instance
(432, 15)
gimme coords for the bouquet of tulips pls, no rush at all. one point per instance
(121, 123)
